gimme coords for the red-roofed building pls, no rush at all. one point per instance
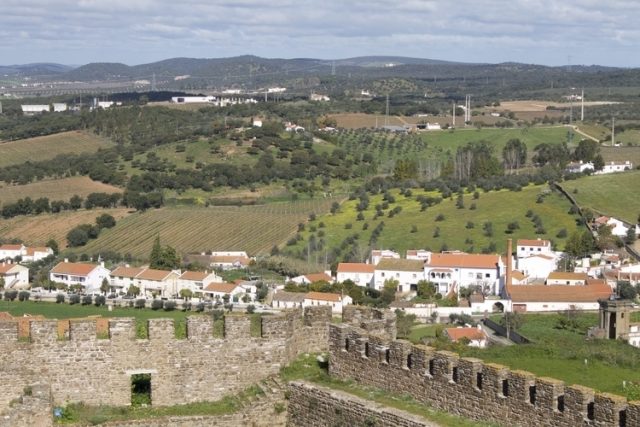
(14, 275)
(90, 276)
(475, 336)
(307, 279)
(335, 301)
(196, 281)
(218, 291)
(26, 253)
(535, 298)
(359, 273)
(528, 247)
(452, 271)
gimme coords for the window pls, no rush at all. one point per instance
(432, 367)
(366, 349)
(387, 355)
(455, 375)
(479, 276)
(561, 403)
(410, 360)
(487, 275)
(505, 388)
(479, 380)
(532, 394)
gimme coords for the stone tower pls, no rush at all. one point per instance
(615, 318)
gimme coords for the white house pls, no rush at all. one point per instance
(335, 301)
(218, 291)
(378, 254)
(475, 336)
(577, 167)
(59, 107)
(196, 281)
(419, 254)
(26, 253)
(528, 247)
(618, 228)
(541, 298)
(538, 266)
(159, 282)
(284, 299)
(14, 275)
(567, 279)
(90, 276)
(613, 167)
(123, 277)
(10, 251)
(319, 97)
(30, 110)
(359, 273)
(307, 279)
(407, 272)
(455, 270)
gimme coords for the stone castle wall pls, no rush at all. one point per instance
(311, 405)
(470, 388)
(85, 368)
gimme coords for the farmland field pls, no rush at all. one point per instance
(460, 229)
(615, 194)
(48, 147)
(38, 229)
(57, 189)
(621, 154)
(255, 229)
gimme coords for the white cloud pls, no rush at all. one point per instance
(134, 31)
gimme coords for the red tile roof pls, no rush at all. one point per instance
(223, 259)
(318, 277)
(194, 275)
(355, 267)
(323, 296)
(153, 274)
(74, 268)
(533, 242)
(6, 267)
(545, 293)
(123, 271)
(10, 247)
(225, 288)
(456, 334)
(462, 260)
(395, 264)
(560, 275)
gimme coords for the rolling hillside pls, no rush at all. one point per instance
(55, 189)
(48, 147)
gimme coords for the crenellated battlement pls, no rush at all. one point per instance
(470, 387)
(92, 360)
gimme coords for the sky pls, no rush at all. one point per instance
(140, 31)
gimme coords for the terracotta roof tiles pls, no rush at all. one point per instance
(456, 334)
(73, 268)
(355, 267)
(323, 296)
(462, 260)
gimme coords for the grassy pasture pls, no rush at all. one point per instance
(38, 229)
(57, 189)
(255, 229)
(48, 147)
(498, 207)
(615, 194)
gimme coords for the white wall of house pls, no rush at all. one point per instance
(285, 304)
(360, 279)
(536, 267)
(17, 276)
(196, 285)
(168, 287)
(524, 251)
(91, 281)
(336, 306)
(488, 278)
(552, 306)
(404, 278)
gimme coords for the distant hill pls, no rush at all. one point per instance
(36, 69)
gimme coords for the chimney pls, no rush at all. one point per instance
(507, 274)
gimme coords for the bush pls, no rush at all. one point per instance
(23, 296)
(562, 233)
(10, 295)
(140, 303)
(60, 298)
(169, 305)
(156, 304)
(186, 306)
(74, 299)
(440, 217)
(200, 307)
(251, 309)
(99, 300)
(87, 300)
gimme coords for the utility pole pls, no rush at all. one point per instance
(386, 117)
(453, 115)
(613, 131)
(582, 106)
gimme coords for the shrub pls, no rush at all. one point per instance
(472, 207)
(140, 303)
(156, 304)
(348, 226)
(10, 295)
(99, 300)
(200, 307)
(60, 298)
(562, 233)
(74, 299)
(87, 300)
(251, 309)
(440, 217)
(414, 228)
(186, 306)
(169, 305)
(23, 296)
(470, 225)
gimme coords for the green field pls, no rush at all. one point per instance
(255, 229)
(48, 147)
(498, 207)
(561, 354)
(616, 194)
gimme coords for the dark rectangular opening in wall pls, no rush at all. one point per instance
(432, 367)
(591, 411)
(366, 349)
(532, 394)
(387, 355)
(346, 344)
(140, 389)
(479, 380)
(454, 374)
(505, 388)
(561, 403)
(410, 360)
(622, 420)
